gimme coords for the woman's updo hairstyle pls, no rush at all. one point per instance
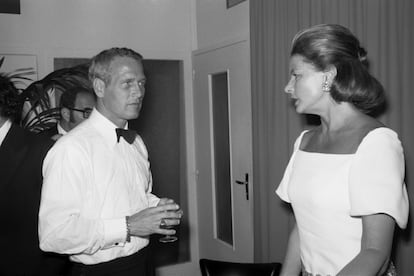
(329, 45)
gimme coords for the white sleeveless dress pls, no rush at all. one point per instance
(330, 192)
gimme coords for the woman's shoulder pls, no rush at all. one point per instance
(381, 135)
(364, 127)
(362, 131)
(373, 128)
(375, 134)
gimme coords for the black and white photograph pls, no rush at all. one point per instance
(206, 137)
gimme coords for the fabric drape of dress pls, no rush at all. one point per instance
(384, 29)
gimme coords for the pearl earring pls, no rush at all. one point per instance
(326, 87)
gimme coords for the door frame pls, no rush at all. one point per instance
(250, 170)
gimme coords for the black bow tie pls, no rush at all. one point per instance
(128, 134)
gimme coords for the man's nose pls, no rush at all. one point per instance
(138, 89)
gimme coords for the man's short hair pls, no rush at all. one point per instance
(100, 66)
(68, 97)
(10, 102)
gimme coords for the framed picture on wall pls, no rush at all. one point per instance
(59, 63)
(10, 6)
(232, 3)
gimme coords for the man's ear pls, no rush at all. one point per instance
(65, 114)
(99, 87)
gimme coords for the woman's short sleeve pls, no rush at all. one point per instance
(376, 178)
(282, 190)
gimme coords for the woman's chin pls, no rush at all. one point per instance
(299, 109)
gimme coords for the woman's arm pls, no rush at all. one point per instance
(376, 244)
(292, 264)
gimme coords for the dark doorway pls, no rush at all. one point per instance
(161, 125)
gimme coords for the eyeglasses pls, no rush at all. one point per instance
(86, 112)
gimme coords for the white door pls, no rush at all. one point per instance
(222, 108)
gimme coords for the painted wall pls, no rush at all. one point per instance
(217, 25)
(49, 28)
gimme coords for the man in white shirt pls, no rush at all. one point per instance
(76, 104)
(96, 202)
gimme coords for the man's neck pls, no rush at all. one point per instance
(121, 123)
(64, 125)
(61, 129)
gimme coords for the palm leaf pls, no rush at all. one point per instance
(43, 120)
(41, 97)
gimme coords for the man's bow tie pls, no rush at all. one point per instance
(128, 134)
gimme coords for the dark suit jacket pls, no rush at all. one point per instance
(21, 158)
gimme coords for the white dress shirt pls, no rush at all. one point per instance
(60, 129)
(4, 129)
(91, 183)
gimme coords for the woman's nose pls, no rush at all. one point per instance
(289, 87)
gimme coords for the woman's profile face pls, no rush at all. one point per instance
(305, 86)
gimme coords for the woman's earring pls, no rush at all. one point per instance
(326, 87)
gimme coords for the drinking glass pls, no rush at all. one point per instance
(167, 238)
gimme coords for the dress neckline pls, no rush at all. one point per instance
(343, 154)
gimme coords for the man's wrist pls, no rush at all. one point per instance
(128, 230)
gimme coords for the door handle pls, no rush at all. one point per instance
(245, 183)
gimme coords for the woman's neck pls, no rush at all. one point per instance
(341, 117)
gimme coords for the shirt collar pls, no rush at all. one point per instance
(104, 126)
(4, 129)
(61, 130)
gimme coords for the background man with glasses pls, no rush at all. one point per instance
(76, 104)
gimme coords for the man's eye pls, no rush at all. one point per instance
(127, 83)
(141, 83)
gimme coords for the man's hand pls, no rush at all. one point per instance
(147, 222)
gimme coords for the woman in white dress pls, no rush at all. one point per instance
(345, 178)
